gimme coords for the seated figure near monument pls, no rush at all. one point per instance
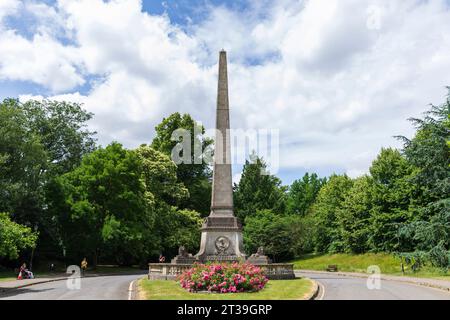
(183, 257)
(259, 257)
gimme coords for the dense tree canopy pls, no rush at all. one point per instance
(258, 190)
(302, 194)
(393, 198)
(14, 237)
(272, 231)
(329, 201)
(107, 206)
(128, 206)
(353, 216)
(195, 175)
(429, 153)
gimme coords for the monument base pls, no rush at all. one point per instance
(168, 271)
(221, 240)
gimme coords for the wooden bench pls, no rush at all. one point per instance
(332, 268)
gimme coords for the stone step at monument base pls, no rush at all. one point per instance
(169, 271)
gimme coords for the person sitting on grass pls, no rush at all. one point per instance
(24, 273)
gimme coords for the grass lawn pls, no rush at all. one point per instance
(359, 263)
(7, 276)
(296, 289)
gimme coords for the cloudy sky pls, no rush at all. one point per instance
(337, 78)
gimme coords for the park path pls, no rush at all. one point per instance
(338, 286)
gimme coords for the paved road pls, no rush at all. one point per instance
(95, 288)
(337, 287)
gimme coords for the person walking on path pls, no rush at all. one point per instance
(84, 265)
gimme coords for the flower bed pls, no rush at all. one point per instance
(223, 278)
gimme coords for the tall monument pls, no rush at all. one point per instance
(221, 231)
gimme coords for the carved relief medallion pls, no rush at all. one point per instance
(222, 244)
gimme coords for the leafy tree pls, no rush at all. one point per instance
(329, 201)
(160, 176)
(23, 161)
(429, 152)
(62, 129)
(39, 140)
(14, 237)
(258, 190)
(354, 214)
(392, 199)
(108, 206)
(178, 228)
(174, 227)
(196, 176)
(302, 194)
(272, 231)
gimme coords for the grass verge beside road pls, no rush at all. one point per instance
(7, 276)
(296, 289)
(388, 264)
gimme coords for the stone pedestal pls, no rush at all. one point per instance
(221, 240)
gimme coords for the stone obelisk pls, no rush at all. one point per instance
(222, 232)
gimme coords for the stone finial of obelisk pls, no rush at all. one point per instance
(222, 191)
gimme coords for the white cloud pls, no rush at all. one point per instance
(337, 78)
(41, 60)
(8, 7)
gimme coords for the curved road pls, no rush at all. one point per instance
(333, 287)
(336, 287)
(114, 287)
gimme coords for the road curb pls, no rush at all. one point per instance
(314, 292)
(418, 282)
(135, 289)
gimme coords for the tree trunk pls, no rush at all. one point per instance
(95, 262)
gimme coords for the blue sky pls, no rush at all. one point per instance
(336, 78)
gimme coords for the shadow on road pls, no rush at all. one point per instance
(12, 292)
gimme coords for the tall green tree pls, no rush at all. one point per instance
(106, 207)
(173, 227)
(196, 175)
(62, 129)
(302, 194)
(273, 231)
(393, 199)
(39, 140)
(354, 214)
(429, 152)
(23, 163)
(177, 228)
(258, 190)
(160, 176)
(329, 201)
